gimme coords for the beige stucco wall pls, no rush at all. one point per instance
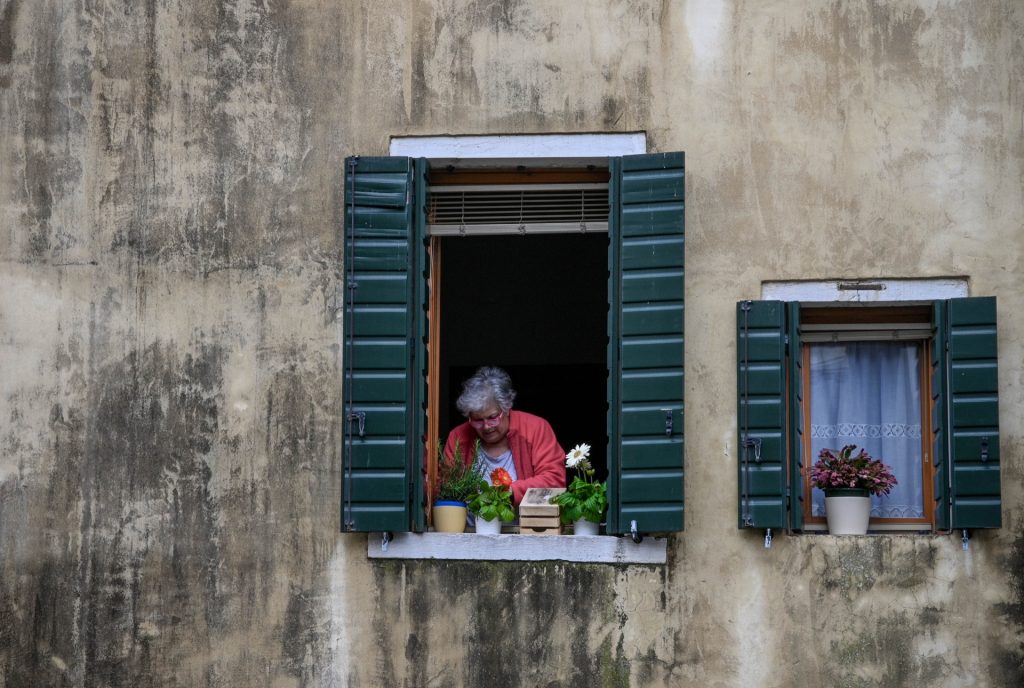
(170, 409)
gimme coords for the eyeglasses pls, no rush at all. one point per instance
(488, 422)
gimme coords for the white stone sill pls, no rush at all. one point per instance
(599, 549)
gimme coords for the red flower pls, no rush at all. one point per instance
(501, 478)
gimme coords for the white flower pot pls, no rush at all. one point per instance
(584, 527)
(847, 514)
(492, 527)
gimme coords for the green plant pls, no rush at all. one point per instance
(494, 500)
(585, 497)
(457, 481)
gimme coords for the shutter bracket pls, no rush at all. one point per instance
(965, 540)
(768, 539)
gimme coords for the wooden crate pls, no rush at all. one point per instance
(537, 516)
(539, 522)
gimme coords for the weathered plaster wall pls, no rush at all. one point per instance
(169, 373)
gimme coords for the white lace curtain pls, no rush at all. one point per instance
(869, 394)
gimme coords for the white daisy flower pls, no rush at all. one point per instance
(578, 454)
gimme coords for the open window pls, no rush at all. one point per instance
(568, 275)
(913, 383)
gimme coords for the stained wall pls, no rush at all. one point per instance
(170, 409)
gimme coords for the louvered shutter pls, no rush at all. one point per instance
(645, 352)
(761, 413)
(380, 397)
(972, 385)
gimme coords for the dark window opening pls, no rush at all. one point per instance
(537, 306)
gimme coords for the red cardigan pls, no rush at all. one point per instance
(538, 457)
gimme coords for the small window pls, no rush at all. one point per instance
(865, 382)
(915, 384)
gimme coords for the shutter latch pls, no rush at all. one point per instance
(754, 442)
(359, 416)
(668, 422)
(768, 539)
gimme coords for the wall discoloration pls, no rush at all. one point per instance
(170, 205)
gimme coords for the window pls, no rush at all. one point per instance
(913, 383)
(410, 269)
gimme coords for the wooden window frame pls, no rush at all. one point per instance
(873, 316)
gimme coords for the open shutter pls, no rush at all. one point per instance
(761, 413)
(645, 415)
(794, 446)
(380, 324)
(973, 408)
(939, 416)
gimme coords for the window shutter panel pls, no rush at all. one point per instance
(794, 447)
(761, 397)
(973, 408)
(645, 415)
(380, 321)
(940, 416)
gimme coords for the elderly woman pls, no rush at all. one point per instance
(521, 443)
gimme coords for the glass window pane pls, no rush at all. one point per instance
(869, 394)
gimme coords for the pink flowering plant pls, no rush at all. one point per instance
(842, 470)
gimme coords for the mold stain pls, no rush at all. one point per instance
(131, 538)
(512, 623)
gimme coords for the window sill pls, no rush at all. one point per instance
(601, 549)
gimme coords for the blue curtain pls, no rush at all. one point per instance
(869, 394)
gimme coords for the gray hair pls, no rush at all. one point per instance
(488, 387)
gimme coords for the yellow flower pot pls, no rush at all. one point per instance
(449, 517)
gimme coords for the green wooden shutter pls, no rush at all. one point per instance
(973, 408)
(794, 447)
(761, 413)
(645, 352)
(380, 350)
(940, 416)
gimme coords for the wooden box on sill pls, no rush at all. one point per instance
(537, 515)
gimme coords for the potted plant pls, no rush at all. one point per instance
(848, 482)
(457, 481)
(492, 504)
(585, 500)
